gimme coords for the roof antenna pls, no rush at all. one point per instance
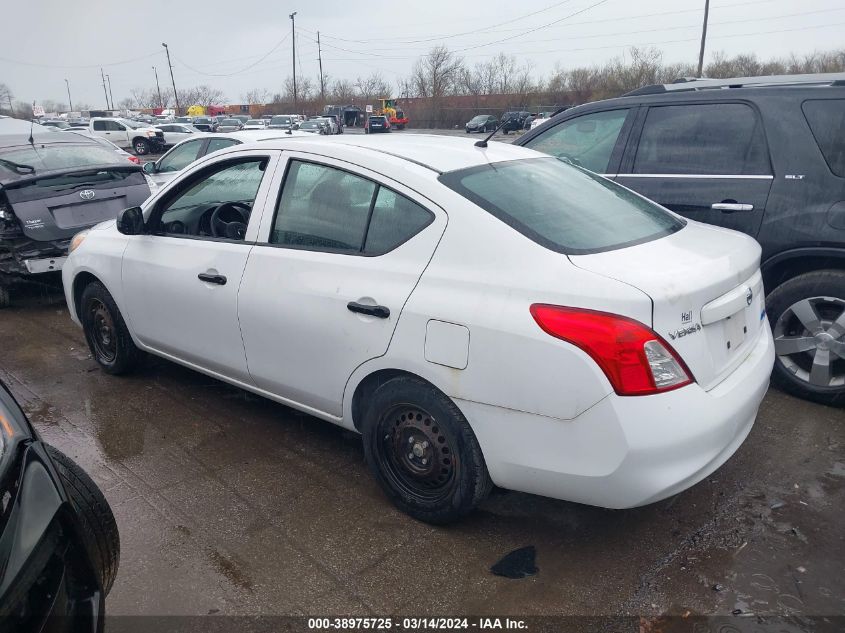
(483, 142)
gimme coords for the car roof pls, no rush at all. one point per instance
(435, 152)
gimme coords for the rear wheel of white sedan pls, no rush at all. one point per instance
(423, 452)
(105, 331)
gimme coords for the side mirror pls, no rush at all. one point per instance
(131, 221)
(149, 168)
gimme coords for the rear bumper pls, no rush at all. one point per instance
(625, 451)
(23, 257)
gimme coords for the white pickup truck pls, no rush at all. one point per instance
(126, 134)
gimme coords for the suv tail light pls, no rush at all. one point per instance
(635, 359)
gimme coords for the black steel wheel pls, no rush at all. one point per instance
(108, 338)
(423, 452)
(103, 335)
(414, 454)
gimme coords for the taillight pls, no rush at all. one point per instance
(634, 358)
(134, 159)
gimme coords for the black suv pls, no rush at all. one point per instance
(514, 121)
(762, 155)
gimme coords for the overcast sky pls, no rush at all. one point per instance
(45, 42)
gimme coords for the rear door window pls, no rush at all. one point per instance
(323, 208)
(587, 141)
(702, 139)
(395, 219)
(826, 119)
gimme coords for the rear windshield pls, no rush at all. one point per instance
(30, 160)
(827, 121)
(562, 207)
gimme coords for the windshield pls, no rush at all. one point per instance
(479, 118)
(230, 122)
(255, 122)
(49, 157)
(562, 207)
(279, 120)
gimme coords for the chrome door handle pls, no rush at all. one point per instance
(731, 207)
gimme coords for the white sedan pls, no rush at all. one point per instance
(482, 315)
(175, 133)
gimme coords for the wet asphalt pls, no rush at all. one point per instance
(231, 504)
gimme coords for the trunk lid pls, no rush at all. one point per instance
(58, 205)
(706, 292)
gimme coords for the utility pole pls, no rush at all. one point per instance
(108, 79)
(69, 101)
(173, 81)
(320, 60)
(703, 37)
(293, 43)
(105, 92)
(160, 102)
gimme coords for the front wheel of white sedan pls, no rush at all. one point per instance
(423, 452)
(105, 331)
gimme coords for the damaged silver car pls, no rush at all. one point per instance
(52, 186)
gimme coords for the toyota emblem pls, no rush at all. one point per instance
(87, 194)
(749, 297)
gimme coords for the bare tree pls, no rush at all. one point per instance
(256, 96)
(435, 76)
(342, 91)
(6, 97)
(372, 87)
(202, 95)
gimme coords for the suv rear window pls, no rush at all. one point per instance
(702, 139)
(827, 121)
(562, 207)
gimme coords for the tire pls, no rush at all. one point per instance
(141, 146)
(442, 476)
(816, 353)
(105, 331)
(5, 297)
(98, 527)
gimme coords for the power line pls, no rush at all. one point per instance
(453, 35)
(627, 45)
(237, 72)
(79, 66)
(405, 40)
(654, 30)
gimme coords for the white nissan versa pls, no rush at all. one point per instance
(482, 315)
